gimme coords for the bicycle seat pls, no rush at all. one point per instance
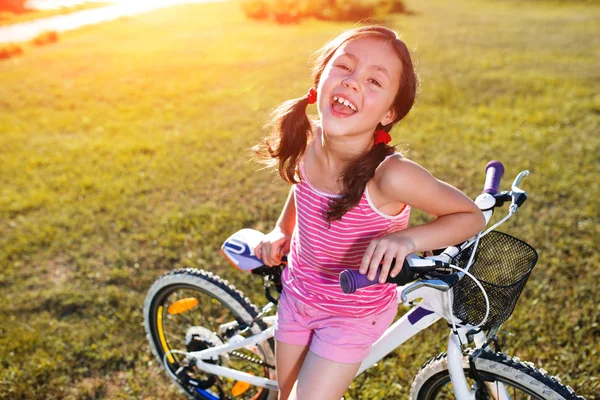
(238, 249)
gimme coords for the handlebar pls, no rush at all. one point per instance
(493, 172)
(351, 280)
(516, 195)
(413, 268)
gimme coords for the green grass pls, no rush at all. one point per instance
(9, 18)
(125, 153)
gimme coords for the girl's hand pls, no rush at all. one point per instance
(395, 245)
(274, 245)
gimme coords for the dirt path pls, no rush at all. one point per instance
(25, 31)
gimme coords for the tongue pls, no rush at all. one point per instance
(342, 109)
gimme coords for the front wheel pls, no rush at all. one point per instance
(521, 379)
(191, 310)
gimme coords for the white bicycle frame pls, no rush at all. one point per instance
(433, 306)
(421, 316)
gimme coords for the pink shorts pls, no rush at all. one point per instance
(345, 339)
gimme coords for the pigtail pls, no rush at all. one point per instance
(355, 178)
(290, 129)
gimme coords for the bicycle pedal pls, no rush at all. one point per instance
(240, 387)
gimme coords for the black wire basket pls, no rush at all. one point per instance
(502, 264)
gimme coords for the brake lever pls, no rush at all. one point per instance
(518, 195)
(515, 185)
(432, 283)
(450, 279)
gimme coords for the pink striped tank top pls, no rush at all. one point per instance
(319, 252)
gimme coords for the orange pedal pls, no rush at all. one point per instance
(240, 387)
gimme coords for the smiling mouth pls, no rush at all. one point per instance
(341, 105)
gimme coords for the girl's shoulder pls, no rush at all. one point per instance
(397, 174)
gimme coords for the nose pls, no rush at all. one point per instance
(350, 83)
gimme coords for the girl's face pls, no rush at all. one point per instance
(365, 75)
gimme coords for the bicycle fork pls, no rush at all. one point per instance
(462, 391)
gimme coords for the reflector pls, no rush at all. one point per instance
(182, 305)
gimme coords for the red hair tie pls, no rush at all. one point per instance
(312, 96)
(382, 136)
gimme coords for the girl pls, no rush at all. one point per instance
(348, 207)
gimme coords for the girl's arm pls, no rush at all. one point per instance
(277, 242)
(287, 219)
(457, 216)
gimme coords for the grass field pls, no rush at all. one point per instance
(124, 153)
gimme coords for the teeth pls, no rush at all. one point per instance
(344, 102)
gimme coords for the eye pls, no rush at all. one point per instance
(343, 67)
(375, 82)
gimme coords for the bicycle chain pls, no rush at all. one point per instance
(251, 359)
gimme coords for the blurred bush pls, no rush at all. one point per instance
(13, 5)
(289, 11)
(45, 38)
(9, 51)
(6, 15)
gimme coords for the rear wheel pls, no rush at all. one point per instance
(191, 310)
(521, 379)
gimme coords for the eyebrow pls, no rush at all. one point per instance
(377, 67)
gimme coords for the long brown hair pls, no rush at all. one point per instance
(291, 129)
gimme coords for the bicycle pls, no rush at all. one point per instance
(215, 344)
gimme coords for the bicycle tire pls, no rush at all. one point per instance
(227, 301)
(433, 378)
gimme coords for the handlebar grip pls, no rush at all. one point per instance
(351, 280)
(493, 172)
